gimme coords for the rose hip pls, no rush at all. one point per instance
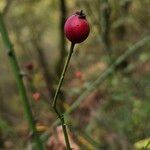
(36, 96)
(77, 28)
(78, 74)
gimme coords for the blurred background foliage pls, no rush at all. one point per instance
(113, 117)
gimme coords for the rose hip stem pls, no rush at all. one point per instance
(54, 105)
(76, 29)
(20, 84)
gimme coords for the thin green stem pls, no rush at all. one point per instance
(61, 116)
(102, 77)
(19, 80)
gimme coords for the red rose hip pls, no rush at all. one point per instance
(77, 28)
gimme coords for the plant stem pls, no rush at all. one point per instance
(63, 52)
(19, 80)
(105, 28)
(102, 77)
(61, 116)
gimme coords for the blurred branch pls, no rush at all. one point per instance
(63, 13)
(91, 12)
(108, 72)
(7, 6)
(105, 27)
(120, 24)
(105, 74)
(147, 145)
(105, 23)
(89, 140)
(84, 138)
(101, 78)
(19, 80)
(44, 66)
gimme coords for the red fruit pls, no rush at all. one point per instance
(78, 74)
(36, 96)
(77, 28)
